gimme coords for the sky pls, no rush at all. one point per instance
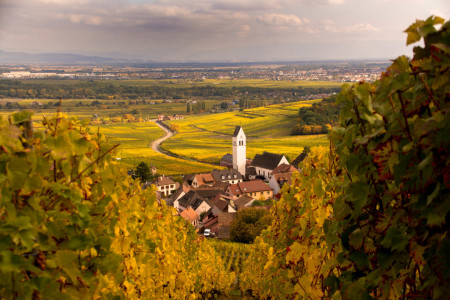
(215, 30)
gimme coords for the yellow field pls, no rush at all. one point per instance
(208, 137)
(135, 140)
(204, 137)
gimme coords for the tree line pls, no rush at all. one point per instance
(104, 90)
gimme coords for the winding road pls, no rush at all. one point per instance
(156, 146)
(157, 143)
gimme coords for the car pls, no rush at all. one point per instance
(207, 233)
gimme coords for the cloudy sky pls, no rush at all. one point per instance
(217, 30)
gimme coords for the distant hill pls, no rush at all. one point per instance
(54, 58)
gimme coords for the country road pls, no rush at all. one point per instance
(156, 144)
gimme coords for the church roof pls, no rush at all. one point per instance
(267, 160)
(236, 131)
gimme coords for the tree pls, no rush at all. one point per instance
(188, 108)
(249, 223)
(143, 172)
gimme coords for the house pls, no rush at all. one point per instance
(166, 186)
(180, 192)
(227, 161)
(153, 170)
(188, 178)
(191, 216)
(256, 189)
(281, 175)
(211, 221)
(251, 173)
(194, 200)
(209, 192)
(296, 162)
(202, 179)
(228, 176)
(224, 225)
(243, 201)
(223, 204)
(265, 163)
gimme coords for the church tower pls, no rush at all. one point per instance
(239, 150)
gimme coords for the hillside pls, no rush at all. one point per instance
(208, 137)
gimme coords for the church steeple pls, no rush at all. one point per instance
(239, 150)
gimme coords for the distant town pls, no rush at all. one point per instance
(309, 71)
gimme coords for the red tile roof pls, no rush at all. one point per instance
(189, 214)
(249, 187)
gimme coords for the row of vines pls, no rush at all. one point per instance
(368, 217)
(365, 218)
(73, 225)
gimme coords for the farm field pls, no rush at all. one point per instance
(208, 137)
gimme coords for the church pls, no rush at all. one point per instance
(262, 164)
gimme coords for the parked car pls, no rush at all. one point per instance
(207, 233)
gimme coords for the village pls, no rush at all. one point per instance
(210, 201)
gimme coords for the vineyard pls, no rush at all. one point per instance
(207, 137)
(366, 218)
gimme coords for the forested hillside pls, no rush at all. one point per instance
(318, 118)
(366, 218)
